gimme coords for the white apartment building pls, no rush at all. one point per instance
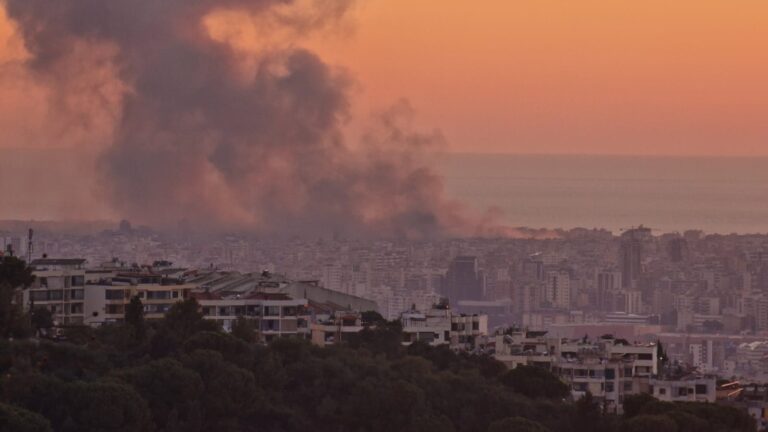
(59, 286)
(275, 315)
(441, 326)
(702, 355)
(689, 389)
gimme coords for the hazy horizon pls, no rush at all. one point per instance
(717, 195)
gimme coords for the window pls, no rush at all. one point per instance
(610, 374)
(628, 372)
(78, 280)
(628, 386)
(76, 294)
(662, 391)
(609, 387)
(475, 325)
(175, 294)
(55, 295)
(113, 294)
(39, 295)
(270, 325)
(580, 386)
(682, 391)
(44, 282)
(158, 295)
(701, 389)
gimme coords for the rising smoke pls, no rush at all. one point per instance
(198, 140)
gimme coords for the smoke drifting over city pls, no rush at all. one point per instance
(214, 138)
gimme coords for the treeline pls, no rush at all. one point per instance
(184, 374)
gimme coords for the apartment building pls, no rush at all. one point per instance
(610, 369)
(59, 286)
(685, 389)
(339, 327)
(275, 315)
(442, 326)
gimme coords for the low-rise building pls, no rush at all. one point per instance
(692, 388)
(441, 326)
(337, 328)
(274, 315)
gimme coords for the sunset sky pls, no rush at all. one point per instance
(546, 76)
(500, 76)
(588, 76)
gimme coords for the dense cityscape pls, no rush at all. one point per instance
(682, 317)
(383, 216)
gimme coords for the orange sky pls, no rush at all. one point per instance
(540, 76)
(564, 76)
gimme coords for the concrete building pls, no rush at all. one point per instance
(463, 281)
(274, 315)
(338, 328)
(631, 255)
(441, 326)
(59, 286)
(686, 389)
(557, 291)
(608, 368)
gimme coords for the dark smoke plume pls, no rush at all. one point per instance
(194, 141)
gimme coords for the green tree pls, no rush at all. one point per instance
(181, 322)
(230, 393)
(587, 415)
(134, 318)
(245, 329)
(161, 383)
(385, 338)
(185, 319)
(42, 319)
(645, 423)
(635, 404)
(516, 424)
(535, 382)
(104, 406)
(14, 274)
(661, 356)
(13, 418)
(371, 318)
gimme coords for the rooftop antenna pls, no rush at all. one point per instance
(29, 246)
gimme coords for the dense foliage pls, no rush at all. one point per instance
(185, 374)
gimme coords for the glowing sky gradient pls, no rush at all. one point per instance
(546, 76)
(561, 76)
